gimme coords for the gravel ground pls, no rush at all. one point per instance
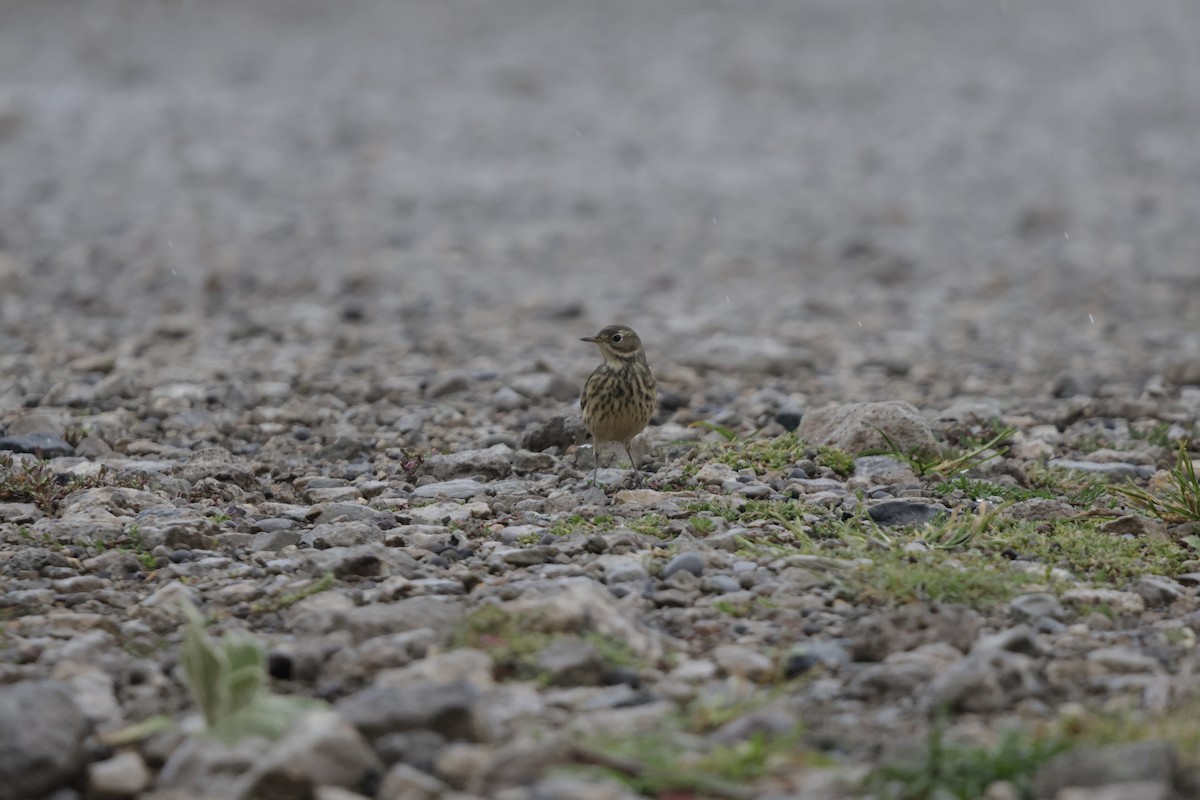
(290, 299)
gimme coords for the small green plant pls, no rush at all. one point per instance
(1177, 499)
(227, 681)
(39, 484)
(762, 454)
(514, 642)
(671, 762)
(837, 460)
(977, 489)
(728, 434)
(1079, 546)
(959, 530)
(1158, 434)
(650, 525)
(577, 523)
(751, 759)
(965, 771)
(1076, 488)
(897, 578)
(926, 462)
(75, 433)
(730, 608)
(410, 462)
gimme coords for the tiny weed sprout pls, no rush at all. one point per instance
(1175, 499)
(227, 680)
(949, 464)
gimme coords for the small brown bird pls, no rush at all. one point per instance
(618, 399)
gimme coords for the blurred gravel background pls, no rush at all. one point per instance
(917, 198)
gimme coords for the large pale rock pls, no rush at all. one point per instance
(493, 463)
(857, 427)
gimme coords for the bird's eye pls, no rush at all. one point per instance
(616, 337)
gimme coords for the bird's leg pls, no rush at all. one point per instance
(595, 459)
(637, 475)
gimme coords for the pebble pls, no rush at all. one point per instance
(405, 782)
(559, 431)
(1036, 605)
(743, 662)
(460, 489)
(123, 775)
(893, 513)
(689, 561)
(881, 471)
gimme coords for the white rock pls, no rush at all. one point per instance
(123, 775)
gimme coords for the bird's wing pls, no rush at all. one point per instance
(595, 376)
(583, 396)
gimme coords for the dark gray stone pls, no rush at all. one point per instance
(530, 556)
(43, 445)
(560, 432)
(1158, 590)
(881, 682)
(41, 739)
(789, 418)
(985, 681)
(891, 513)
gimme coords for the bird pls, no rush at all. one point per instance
(619, 396)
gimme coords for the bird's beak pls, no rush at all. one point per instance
(591, 339)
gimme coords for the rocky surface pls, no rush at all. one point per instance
(290, 295)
